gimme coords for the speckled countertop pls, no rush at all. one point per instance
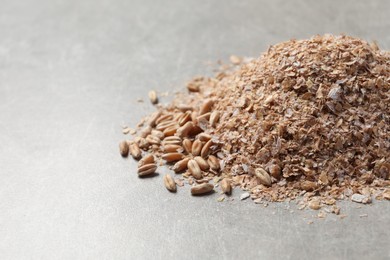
(70, 75)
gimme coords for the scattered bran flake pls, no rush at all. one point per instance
(235, 60)
(220, 199)
(315, 204)
(360, 198)
(258, 201)
(312, 114)
(128, 130)
(335, 210)
(244, 196)
(179, 182)
(322, 214)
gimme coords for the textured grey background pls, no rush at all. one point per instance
(70, 75)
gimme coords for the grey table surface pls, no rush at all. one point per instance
(70, 75)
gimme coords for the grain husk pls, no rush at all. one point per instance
(163, 118)
(206, 106)
(169, 183)
(184, 118)
(172, 140)
(151, 139)
(166, 124)
(194, 169)
(226, 187)
(203, 137)
(196, 147)
(203, 165)
(185, 130)
(181, 165)
(213, 162)
(170, 148)
(153, 118)
(147, 169)
(187, 145)
(214, 117)
(153, 97)
(147, 159)
(124, 148)
(135, 151)
(263, 176)
(206, 149)
(202, 189)
(172, 157)
(170, 130)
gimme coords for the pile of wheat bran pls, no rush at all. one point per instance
(308, 120)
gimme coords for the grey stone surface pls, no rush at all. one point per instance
(70, 75)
